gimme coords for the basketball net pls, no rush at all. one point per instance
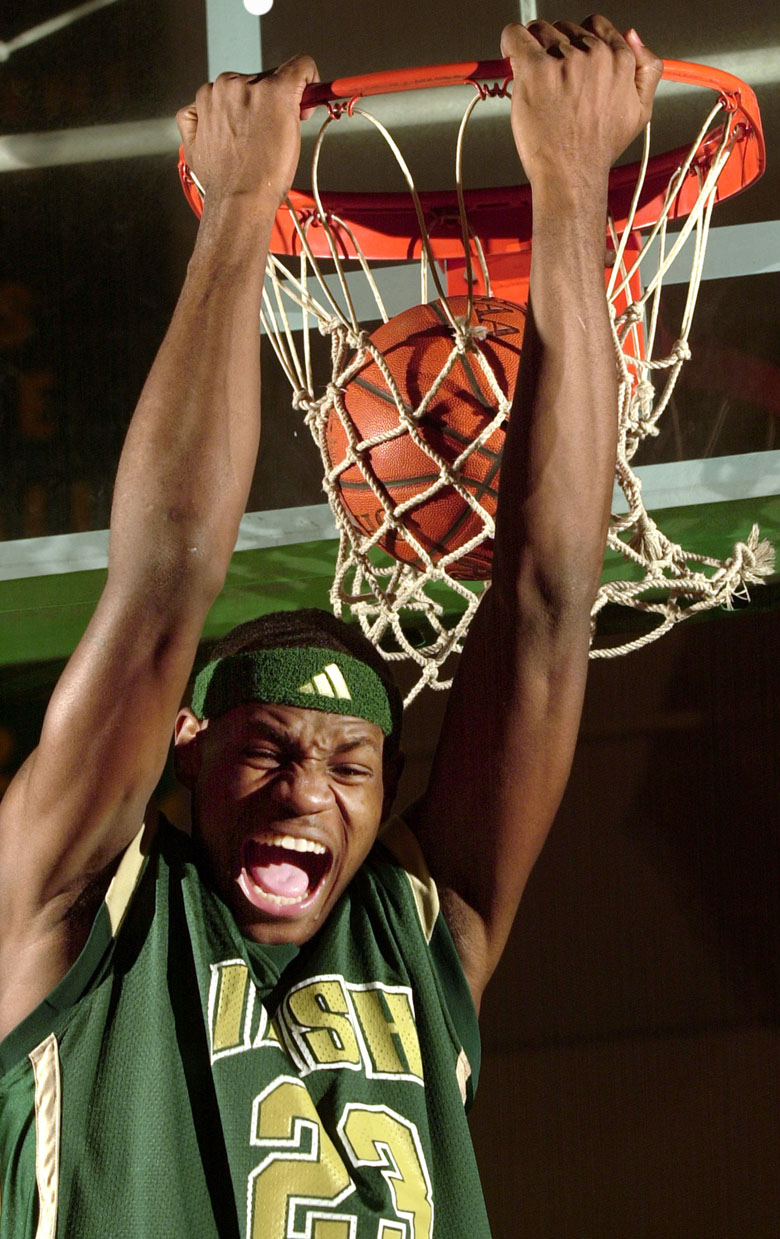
(407, 609)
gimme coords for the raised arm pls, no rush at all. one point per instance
(581, 94)
(181, 488)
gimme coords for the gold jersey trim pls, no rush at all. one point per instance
(125, 879)
(402, 843)
(45, 1061)
(463, 1075)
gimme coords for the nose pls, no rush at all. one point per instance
(303, 788)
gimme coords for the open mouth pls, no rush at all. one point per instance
(281, 874)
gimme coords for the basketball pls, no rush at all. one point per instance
(416, 345)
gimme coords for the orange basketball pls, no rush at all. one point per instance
(416, 345)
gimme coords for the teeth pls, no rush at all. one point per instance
(292, 844)
(281, 900)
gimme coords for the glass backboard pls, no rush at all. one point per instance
(96, 237)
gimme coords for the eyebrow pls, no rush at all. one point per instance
(260, 727)
(357, 743)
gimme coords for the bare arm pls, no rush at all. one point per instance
(181, 488)
(581, 94)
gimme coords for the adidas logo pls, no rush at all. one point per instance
(327, 683)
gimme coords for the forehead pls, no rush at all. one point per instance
(305, 727)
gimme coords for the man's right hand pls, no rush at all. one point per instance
(241, 135)
(181, 490)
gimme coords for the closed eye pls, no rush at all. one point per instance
(348, 770)
(264, 757)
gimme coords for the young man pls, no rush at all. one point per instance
(270, 1031)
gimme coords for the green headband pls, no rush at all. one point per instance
(317, 679)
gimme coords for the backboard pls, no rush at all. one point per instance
(97, 240)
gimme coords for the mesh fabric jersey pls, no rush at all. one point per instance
(182, 1082)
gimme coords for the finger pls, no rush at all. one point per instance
(258, 77)
(548, 37)
(229, 75)
(517, 41)
(578, 36)
(603, 29)
(187, 120)
(648, 72)
(300, 71)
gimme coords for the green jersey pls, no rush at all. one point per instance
(183, 1083)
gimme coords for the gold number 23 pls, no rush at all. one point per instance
(302, 1187)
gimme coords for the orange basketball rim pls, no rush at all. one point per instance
(385, 225)
(411, 424)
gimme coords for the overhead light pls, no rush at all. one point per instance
(258, 7)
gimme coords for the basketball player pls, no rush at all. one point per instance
(270, 1030)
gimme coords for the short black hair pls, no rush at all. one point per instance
(314, 628)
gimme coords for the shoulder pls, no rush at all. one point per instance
(399, 855)
(418, 917)
(56, 971)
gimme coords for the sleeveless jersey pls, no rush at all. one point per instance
(183, 1083)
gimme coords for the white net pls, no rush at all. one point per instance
(416, 603)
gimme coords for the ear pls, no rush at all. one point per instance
(186, 746)
(392, 769)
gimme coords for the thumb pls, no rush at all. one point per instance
(187, 120)
(648, 72)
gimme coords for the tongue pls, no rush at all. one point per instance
(280, 878)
